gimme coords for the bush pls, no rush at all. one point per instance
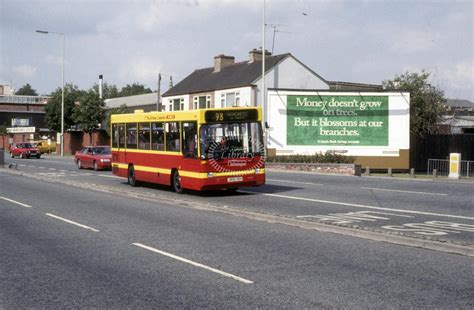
(326, 158)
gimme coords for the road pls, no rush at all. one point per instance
(67, 246)
(433, 210)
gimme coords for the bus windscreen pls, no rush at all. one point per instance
(236, 140)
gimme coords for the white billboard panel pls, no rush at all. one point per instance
(351, 123)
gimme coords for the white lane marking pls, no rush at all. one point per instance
(31, 166)
(361, 206)
(14, 201)
(225, 274)
(109, 176)
(286, 181)
(42, 167)
(71, 222)
(22, 165)
(402, 191)
(63, 170)
(54, 169)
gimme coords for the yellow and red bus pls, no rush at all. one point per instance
(202, 149)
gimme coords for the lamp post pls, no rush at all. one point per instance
(264, 104)
(62, 86)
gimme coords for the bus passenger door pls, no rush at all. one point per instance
(119, 144)
(190, 151)
(190, 146)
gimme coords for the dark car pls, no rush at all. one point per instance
(96, 157)
(24, 150)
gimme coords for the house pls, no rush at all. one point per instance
(230, 84)
(460, 107)
(23, 116)
(459, 118)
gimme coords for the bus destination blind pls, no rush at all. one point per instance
(231, 116)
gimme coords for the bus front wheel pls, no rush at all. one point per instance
(132, 178)
(178, 188)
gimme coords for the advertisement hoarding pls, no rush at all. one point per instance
(352, 123)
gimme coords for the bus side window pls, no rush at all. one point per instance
(157, 137)
(132, 135)
(190, 139)
(144, 136)
(121, 136)
(114, 135)
(172, 137)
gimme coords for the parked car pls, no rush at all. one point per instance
(24, 150)
(45, 147)
(96, 157)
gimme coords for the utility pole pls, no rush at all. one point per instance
(171, 82)
(264, 104)
(158, 102)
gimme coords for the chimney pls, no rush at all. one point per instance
(222, 61)
(256, 55)
(101, 86)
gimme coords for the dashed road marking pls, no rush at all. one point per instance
(71, 222)
(296, 182)
(225, 274)
(403, 191)
(16, 202)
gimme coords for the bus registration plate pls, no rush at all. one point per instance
(235, 179)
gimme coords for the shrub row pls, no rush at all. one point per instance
(326, 158)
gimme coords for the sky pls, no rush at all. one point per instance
(363, 41)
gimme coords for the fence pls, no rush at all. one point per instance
(442, 167)
(439, 146)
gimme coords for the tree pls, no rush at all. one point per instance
(90, 112)
(120, 110)
(72, 94)
(26, 90)
(109, 91)
(134, 89)
(427, 103)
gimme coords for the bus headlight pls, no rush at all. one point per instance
(210, 174)
(257, 170)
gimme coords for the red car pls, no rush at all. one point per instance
(97, 157)
(24, 150)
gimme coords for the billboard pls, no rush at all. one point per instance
(356, 123)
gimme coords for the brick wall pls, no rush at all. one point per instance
(74, 141)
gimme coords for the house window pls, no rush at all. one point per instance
(176, 104)
(231, 99)
(201, 102)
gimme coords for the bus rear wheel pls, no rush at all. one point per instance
(132, 178)
(176, 180)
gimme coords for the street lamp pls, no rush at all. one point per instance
(62, 96)
(264, 105)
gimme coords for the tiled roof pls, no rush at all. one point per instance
(131, 101)
(459, 103)
(236, 75)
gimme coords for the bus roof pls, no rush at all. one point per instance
(192, 115)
